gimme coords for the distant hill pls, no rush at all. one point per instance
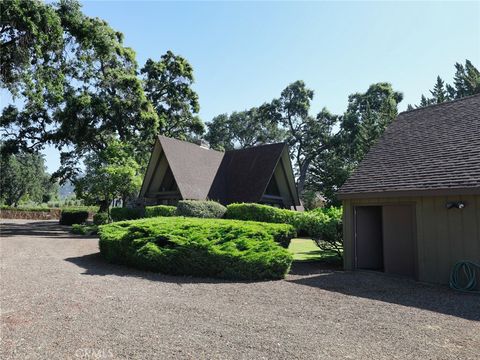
(66, 190)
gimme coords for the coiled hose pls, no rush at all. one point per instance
(464, 277)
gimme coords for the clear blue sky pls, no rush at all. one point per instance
(244, 54)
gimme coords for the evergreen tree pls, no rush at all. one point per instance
(439, 93)
(466, 82)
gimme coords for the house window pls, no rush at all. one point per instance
(168, 182)
(272, 188)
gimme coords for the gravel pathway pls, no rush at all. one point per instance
(60, 300)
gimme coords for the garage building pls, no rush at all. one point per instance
(412, 207)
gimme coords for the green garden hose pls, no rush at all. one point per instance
(464, 277)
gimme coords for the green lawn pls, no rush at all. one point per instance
(305, 249)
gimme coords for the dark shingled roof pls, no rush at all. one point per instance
(236, 175)
(193, 166)
(426, 150)
(244, 174)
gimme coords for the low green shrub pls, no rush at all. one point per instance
(100, 218)
(325, 226)
(220, 248)
(119, 213)
(82, 229)
(70, 217)
(200, 209)
(160, 210)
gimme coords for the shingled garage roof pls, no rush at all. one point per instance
(244, 174)
(431, 150)
(193, 166)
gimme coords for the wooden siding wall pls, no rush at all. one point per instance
(443, 236)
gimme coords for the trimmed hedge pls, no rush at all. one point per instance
(264, 213)
(70, 217)
(200, 209)
(219, 248)
(322, 223)
(119, 213)
(160, 210)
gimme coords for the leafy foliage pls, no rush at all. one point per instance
(200, 209)
(168, 87)
(31, 36)
(306, 136)
(200, 247)
(100, 218)
(23, 177)
(367, 116)
(242, 129)
(109, 174)
(77, 85)
(325, 226)
(120, 214)
(70, 217)
(160, 210)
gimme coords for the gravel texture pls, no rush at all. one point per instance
(60, 300)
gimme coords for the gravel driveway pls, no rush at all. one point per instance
(60, 300)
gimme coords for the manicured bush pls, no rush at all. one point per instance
(200, 209)
(70, 217)
(100, 218)
(264, 213)
(119, 214)
(220, 248)
(160, 210)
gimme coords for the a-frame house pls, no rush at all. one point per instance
(181, 170)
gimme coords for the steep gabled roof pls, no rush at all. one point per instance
(428, 150)
(193, 166)
(244, 174)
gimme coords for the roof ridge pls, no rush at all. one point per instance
(258, 146)
(189, 143)
(440, 104)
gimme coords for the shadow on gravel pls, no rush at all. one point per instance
(302, 268)
(48, 228)
(394, 290)
(95, 265)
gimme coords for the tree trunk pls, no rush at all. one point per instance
(103, 206)
(302, 177)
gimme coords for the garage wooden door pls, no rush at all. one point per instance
(399, 250)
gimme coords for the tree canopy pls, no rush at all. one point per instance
(23, 177)
(77, 91)
(168, 87)
(109, 174)
(242, 129)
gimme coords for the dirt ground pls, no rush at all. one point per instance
(60, 300)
